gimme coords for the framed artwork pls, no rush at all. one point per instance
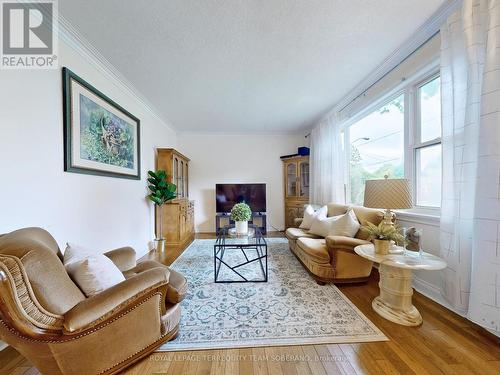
(100, 137)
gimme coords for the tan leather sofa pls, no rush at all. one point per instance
(332, 259)
(45, 316)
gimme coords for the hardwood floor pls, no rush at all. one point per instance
(444, 344)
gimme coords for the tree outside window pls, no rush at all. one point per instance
(377, 147)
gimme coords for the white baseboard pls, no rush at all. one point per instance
(434, 293)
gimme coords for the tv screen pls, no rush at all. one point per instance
(227, 195)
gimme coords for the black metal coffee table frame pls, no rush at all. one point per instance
(257, 243)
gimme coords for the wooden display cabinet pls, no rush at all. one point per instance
(296, 181)
(178, 214)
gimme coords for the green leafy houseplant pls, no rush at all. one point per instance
(382, 234)
(241, 212)
(160, 192)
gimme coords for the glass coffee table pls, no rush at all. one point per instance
(240, 258)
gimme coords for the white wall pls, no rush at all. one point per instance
(98, 212)
(426, 282)
(236, 159)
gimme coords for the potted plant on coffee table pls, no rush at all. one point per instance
(381, 235)
(241, 213)
(161, 191)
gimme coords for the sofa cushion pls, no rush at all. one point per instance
(346, 225)
(335, 209)
(366, 215)
(296, 233)
(94, 274)
(322, 226)
(346, 243)
(310, 214)
(315, 248)
(75, 253)
(363, 214)
(341, 225)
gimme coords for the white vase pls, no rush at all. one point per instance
(242, 227)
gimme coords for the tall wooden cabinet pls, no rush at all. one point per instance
(178, 214)
(296, 181)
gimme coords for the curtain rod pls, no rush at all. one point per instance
(385, 74)
(382, 77)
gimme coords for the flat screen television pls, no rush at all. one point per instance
(227, 195)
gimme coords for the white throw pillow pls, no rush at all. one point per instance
(346, 225)
(94, 274)
(310, 215)
(322, 226)
(74, 253)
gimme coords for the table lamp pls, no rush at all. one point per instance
(389, 193)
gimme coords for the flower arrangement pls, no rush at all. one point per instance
(384, 232)
(241, 212)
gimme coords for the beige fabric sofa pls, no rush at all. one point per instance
(45, 316)
(332, 259)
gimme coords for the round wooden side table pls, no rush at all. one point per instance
(395, 300)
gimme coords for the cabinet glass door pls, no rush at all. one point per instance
(175, 169)
(304, 179)
(181, 179)
(186, 180)
(291, 180)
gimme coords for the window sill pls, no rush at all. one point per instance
(420, 216)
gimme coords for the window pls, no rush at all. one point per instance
(428, 176)
(427, 148)
(401, 139)
(377, 147)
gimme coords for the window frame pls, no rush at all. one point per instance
(417, 143)
(409, 87)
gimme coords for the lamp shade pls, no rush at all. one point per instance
(388, 193)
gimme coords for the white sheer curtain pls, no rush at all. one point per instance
(470, 213)
(327, 162)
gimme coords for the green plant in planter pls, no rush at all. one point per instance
(384, 232)
(241, 212)
(160, 192)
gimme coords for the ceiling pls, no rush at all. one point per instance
(243, 66)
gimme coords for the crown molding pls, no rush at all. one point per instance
(70, 36)
(425, 32)
(202, 133)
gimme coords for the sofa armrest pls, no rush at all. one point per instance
(98, 308)
(297, 221)
(123, 258)
(345, 243)
(177, 287)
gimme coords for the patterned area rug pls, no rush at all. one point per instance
(289, 309)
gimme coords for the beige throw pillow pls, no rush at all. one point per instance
(310, 215)
(346, 225)
(94, 274)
